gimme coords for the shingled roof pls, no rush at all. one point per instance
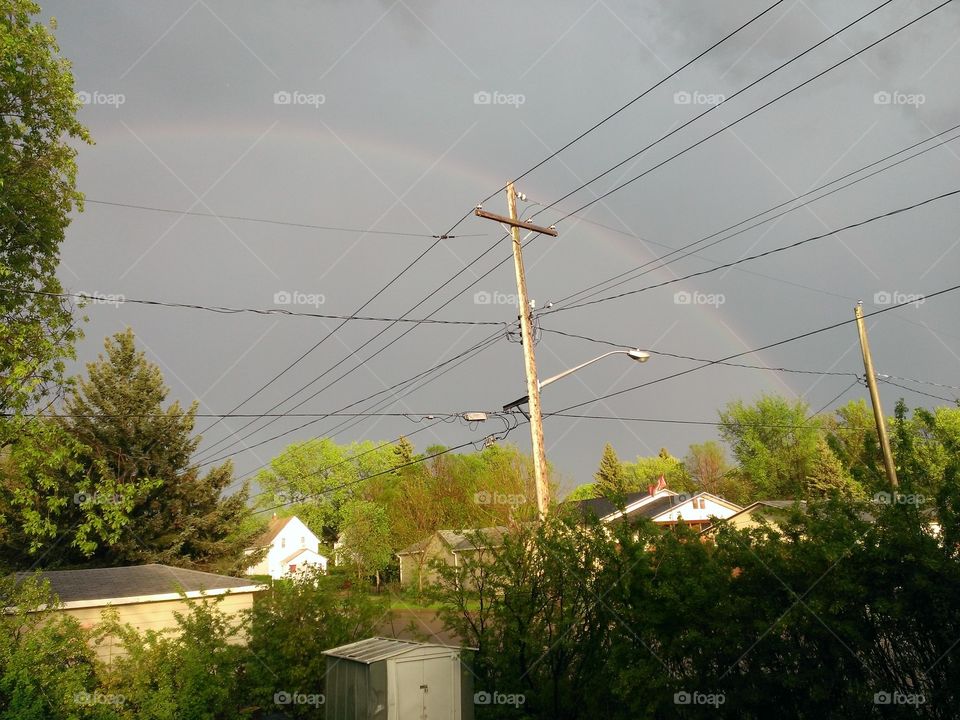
(273, 529)
(94, 585)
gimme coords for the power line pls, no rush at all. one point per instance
(749, 114)
(194, 213)
(650, 89)
(479, 347)
(390, 471)
(772, 251)
(709, 423)
(882, 376)
(698, 359)
(681, 249)
(919, 392)
(801, 336)
(120, 299)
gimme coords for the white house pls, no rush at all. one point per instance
(292, 547)
(663, 506)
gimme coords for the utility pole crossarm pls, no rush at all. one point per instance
(514, 222)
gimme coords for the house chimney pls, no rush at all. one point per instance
(652, 489)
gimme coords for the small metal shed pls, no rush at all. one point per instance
(387, 679)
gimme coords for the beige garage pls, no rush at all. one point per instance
(145, 596)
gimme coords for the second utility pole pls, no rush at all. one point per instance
(875, 398)
(541, 478)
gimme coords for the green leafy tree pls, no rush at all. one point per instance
(290, 626)
(587, 491)
(775, 443)
(852, 435)
(190, 672)
(318, 477)
(610, 479)
(646, 471)
(37, 194)
(47, 669)
(365, 538)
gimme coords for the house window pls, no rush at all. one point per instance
(283, 543)
(293, 568)
(303, 541)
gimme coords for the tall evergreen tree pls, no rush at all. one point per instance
(137, 454)
(610, 477)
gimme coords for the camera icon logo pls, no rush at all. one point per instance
(682, 298)
(282, 297)
(682, 698)
(282, 698)
(882, 98)
(482, 698)
(84, 98)
(882, 698)
(482, 98)
(682, 97)
(882, 298)
(482, 298)
(282, 98)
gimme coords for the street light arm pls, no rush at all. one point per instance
(637, 355)
(560, 376)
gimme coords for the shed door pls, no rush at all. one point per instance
(424, 689)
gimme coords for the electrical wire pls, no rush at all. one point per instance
(119, 299)
(750, 258)
(749, 114)
(778, 343)
(193, 213)
(664, 353)
(683, 248)
(650, 89)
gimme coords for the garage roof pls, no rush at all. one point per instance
(375, 649)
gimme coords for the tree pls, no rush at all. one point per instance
(646, 471)
(317, 477)
(852, 435)
(774, 441)
(129, 493)
(291, 624)
(610, 479)
(47, 669)
(707, 465)
(365, 538)
(587, 491)
(37, 193)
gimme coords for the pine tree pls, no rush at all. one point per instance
(137, 455)
(610, 478)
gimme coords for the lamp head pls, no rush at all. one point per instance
(639, 355)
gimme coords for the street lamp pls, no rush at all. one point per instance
(638, 355)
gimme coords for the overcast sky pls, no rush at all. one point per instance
(401, 116)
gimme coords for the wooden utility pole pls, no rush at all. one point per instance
(541, 478)
(875, 398)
